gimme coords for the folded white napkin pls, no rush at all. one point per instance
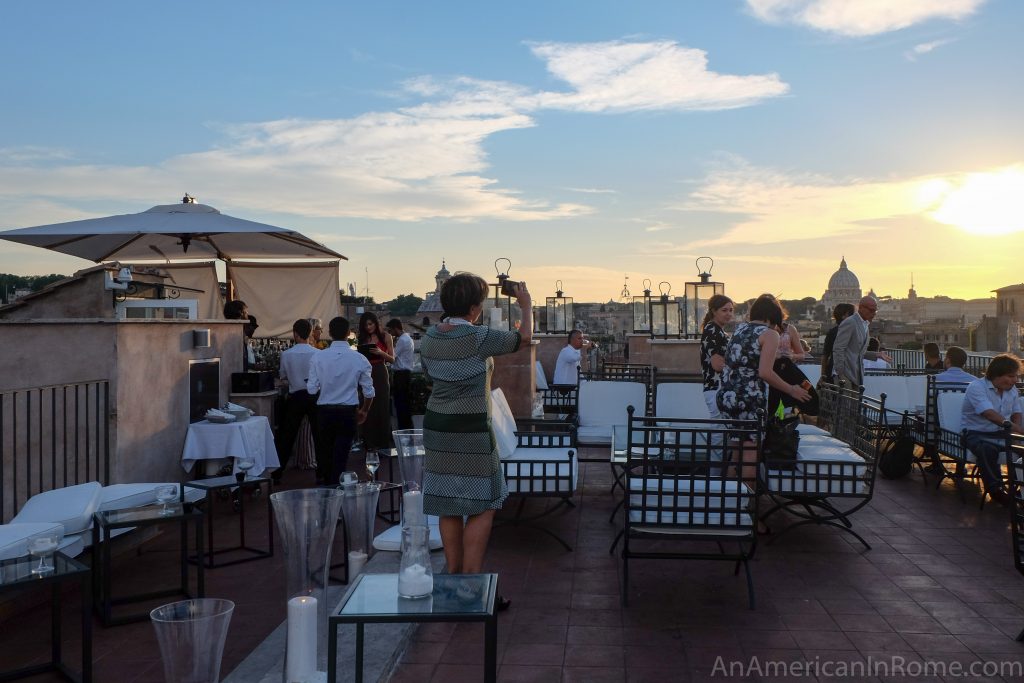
(219, 416)
(235, 406)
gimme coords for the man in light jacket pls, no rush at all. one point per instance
(851, 346)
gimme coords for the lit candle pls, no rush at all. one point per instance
(356, 562)
(301, 649)
(412, 509)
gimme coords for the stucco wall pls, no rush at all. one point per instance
(80, 298)
(147, 364)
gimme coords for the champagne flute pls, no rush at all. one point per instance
(43, 545)
(244, 465)
(164, 495)
(372, 464)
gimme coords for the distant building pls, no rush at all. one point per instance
(431, 306)
(843, 288)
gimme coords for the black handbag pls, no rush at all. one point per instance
(792, 374)
(781, 443)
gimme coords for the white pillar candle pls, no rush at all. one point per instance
(495, 321)
(356, 562)
(412, 509)
(301, 654)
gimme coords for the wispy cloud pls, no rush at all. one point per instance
(619, 76)
(590, 190)
(856, 18)
(423, 161)
(924, 48)
(773, 206)
(33, 154)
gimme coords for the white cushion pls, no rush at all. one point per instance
(72, 506)
(603, 403)
(14, 537)
(542, 380)
(594, 435)
(808, 430)
(391, 539)
(893, 386)
(951, 405)
(681, 399)
(822, 468)
(789, 481)
(541, 470)
(917, 391)
(504, 425)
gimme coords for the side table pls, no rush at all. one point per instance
(215, 484)
(373, 599)
(108, 521)
(17, 575)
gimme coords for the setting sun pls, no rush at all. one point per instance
(985, 203)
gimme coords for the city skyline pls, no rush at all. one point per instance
(583, 141)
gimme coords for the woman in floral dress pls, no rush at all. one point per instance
(748, 367)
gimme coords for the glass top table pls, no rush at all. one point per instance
(376, 595)
(213, 483)
(19, 571)
(373, 598)
(147, 513)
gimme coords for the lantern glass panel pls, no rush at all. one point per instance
(696, 304)
(665, 318)
(559, 314)
(642, 314)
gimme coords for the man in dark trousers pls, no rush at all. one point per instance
(405, 356)
(338, 374)
(295, 371)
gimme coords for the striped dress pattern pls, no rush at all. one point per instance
(462, 473)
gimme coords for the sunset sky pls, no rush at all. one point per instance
(584, 140)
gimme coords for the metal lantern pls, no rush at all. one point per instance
(695, 303)
(642, 310)
(559, 311)
(504, 312)
(664, 314)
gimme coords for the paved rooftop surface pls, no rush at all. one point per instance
(938, 586)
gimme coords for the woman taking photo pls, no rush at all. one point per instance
(462, 476)
(378, 347)
(748, 367)
(713, 342)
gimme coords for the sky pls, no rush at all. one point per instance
(585, 141)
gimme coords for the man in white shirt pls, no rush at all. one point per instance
(294, 372)
(338, 375)
(405, 356)
(954, 362)
(568, 364)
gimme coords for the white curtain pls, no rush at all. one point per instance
(279, 294)
(198, 276)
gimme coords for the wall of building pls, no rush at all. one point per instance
(82, 297)
(146, 363)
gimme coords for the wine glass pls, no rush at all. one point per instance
(372, 464)
(243, 465)
(164, 495)
(43, 545)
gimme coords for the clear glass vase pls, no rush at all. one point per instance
(359, 506)
(191, 636)
(415, 576)
(410, 467)
(306, 520)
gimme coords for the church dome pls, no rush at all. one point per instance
(843, 278)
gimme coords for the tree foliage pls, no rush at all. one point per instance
(9, 283)
(404, 305)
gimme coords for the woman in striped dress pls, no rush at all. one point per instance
(462, 475)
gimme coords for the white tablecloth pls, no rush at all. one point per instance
(250, 438)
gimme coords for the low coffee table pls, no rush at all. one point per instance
(373, 599)
(17, 575)
(108, 521)
(215, 484)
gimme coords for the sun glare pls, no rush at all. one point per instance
(985, 203)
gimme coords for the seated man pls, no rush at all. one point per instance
(953, 364)
(989, 402)
(932, 359)
(568, 364)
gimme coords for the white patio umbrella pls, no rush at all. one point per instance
(173, 232)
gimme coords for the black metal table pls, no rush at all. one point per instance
(216, 484)
(17, 575)
(108, 521)
(373, 599)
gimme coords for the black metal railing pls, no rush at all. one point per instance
(51, 437)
